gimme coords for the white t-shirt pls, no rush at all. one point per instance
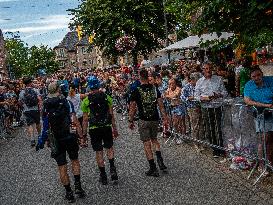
(76, 101)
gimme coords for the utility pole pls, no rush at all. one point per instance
(166, 30)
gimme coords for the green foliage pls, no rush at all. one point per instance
(143, 19)
(250, 20)
(23, 60)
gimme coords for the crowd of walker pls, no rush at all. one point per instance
(61, 110)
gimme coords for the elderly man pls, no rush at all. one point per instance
(209, 91)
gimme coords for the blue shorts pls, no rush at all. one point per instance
(179, 110)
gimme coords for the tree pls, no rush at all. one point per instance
(23, 60)
(250, 20)
(17, 58)
(143, 19)
(42, 58)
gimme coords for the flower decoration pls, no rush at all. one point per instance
(126, 43)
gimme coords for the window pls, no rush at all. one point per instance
(83, 49)
(62, 52)
(62, 64)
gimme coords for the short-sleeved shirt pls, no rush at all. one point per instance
(136, 97)
(263, 94)
(86, 109)
(21, 99)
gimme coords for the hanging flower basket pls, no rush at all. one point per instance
(125, 43)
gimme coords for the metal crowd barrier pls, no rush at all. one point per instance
(231, 130)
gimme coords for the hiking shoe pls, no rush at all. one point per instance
(103, 179)
(69, 196)
(113, 173)
(32, 143)
(79, 191)
(152, 172)
(161, 164)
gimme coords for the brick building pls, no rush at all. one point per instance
(3, 69)
(73, 53)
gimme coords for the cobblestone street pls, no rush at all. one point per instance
(30, 177)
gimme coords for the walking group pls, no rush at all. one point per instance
(75, 107)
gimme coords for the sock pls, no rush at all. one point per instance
(67, 188)
(112, 162)
(158, 154)
(102, 170)
(32, 137)
(152, 163)
(77, 178)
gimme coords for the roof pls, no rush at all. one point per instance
(69, 41)
(194, 41)
(83, 42)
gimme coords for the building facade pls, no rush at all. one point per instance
(3, 68)
(75, 54)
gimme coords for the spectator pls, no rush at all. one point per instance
(209, 90)
(258, 92)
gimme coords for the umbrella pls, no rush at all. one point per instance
(194, 41)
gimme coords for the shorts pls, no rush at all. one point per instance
(101, 138)
(263, 125)
(69, 145)
(179, 110)
(32, 117)
(147, 130)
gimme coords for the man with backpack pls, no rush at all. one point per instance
(146, 98)
(98, 111)
(32, 102)
(57, 112)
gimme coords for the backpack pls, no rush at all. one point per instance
(58, 112)
(99, 110)
(30, 97)
(149, 102)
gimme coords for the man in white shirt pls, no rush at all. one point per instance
(210, 91)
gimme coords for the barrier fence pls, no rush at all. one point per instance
(228, 125)
(232, 127)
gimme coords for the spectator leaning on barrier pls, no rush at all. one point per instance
(178, 108)
(258, 92)
(32, 103)
(146, 98)
(193, 107)
(210, 91)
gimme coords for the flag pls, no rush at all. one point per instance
(91, 38)
(79, 31)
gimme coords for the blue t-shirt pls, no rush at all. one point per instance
(262, 94)
(76, 82)
(134, 85)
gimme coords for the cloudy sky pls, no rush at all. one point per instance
(38, 21)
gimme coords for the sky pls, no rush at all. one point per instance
(38, 21)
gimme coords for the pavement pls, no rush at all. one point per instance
(30, 177)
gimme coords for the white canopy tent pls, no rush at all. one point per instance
(194, 41)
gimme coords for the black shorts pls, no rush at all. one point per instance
(69, 145)
(99, 135)
(32, 117)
